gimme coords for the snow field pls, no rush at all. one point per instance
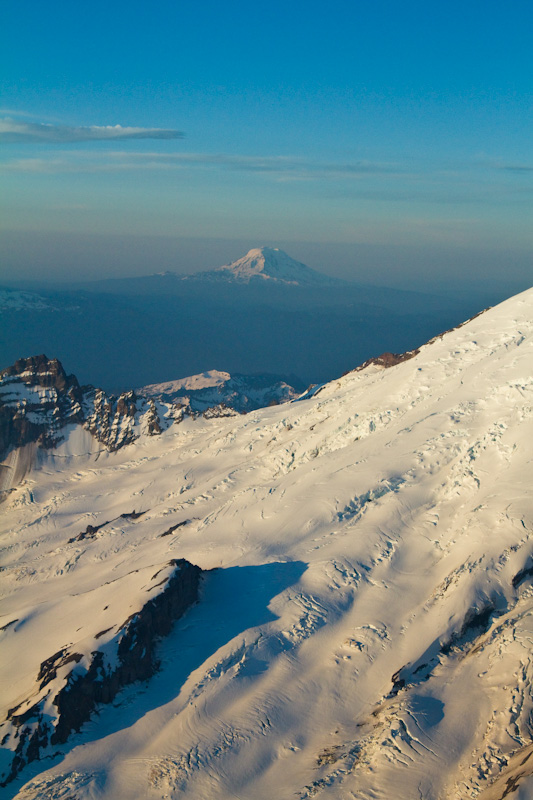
(361, 632)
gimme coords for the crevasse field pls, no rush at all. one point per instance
(365, 625)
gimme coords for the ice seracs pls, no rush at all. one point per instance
(365, 616)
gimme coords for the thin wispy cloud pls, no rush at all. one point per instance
(20, 132)
(503, 165)
(15, 112)
(516, 167)
(281, 164)
(361, 179)
(282, 168)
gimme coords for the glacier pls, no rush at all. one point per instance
(364, 621)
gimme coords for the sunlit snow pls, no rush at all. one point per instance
(365, 628)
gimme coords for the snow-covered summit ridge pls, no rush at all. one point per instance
(268, 264)
(214, 388)
(204, 380)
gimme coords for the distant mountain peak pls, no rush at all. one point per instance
(270, 264)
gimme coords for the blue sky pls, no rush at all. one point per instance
(336, 130)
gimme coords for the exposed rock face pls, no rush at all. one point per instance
(94, 678)
(113, 420)
(387, 360)
(37, 399)
(153, 423)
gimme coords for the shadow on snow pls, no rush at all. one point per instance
(232, 601)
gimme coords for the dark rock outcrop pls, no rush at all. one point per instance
(112, 420)
(86, 687)
(37, 399)
(136, 652)
(387, 360)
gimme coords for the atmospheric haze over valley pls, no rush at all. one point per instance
(262, 313)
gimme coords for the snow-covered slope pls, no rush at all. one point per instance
(269, 264)
(213, 388)
(193, 383)
(365, 617)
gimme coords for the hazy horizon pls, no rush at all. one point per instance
(385, 143)
(58, 258)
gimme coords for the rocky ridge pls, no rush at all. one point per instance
(39, 401)
(70, 684)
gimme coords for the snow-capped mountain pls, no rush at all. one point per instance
(349, 576)
(265, 313)
(17, 300)
(193, 383)
(268, 264)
